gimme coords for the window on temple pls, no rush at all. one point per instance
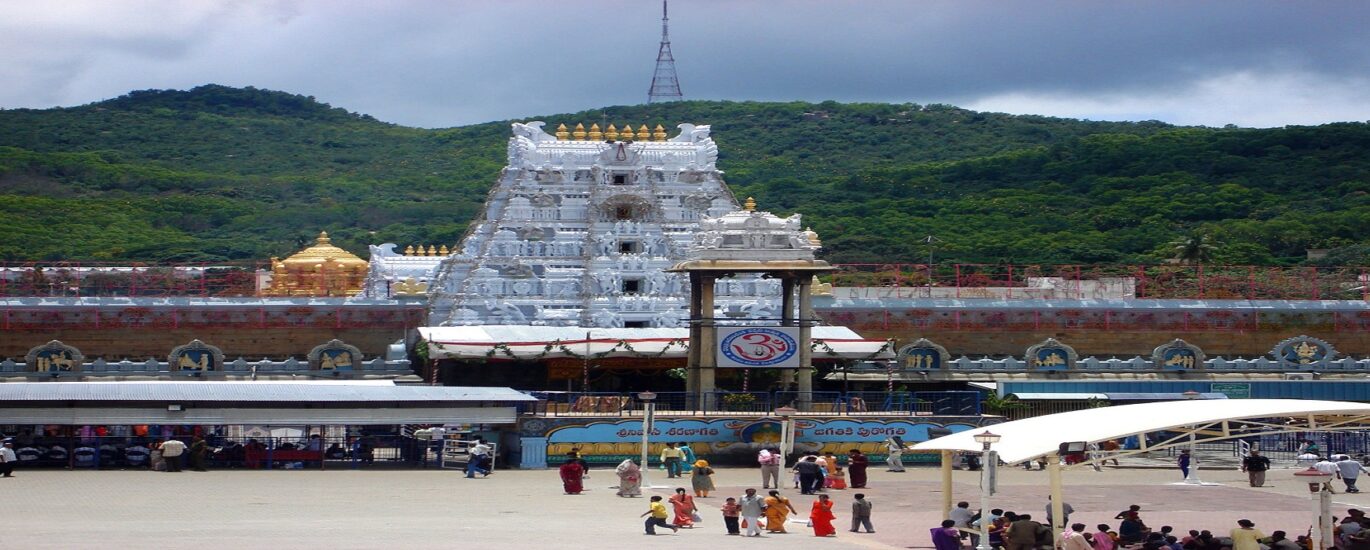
(632, 286)
(635, 324)
(627, 247)
(620, 179)
(623, 213)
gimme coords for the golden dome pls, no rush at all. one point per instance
(320, 270)
(323, 251)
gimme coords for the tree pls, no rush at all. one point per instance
(1195, 248)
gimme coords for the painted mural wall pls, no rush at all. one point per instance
(729, 440)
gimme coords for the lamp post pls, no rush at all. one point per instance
(786, 433)
(989, 462)
(648, 400)
(1192, 476)
(1322, 504)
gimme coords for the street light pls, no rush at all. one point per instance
(989, 462)
(1322, 503)
(1192, 476)
(648, 400)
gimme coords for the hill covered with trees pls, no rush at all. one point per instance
(218, 173)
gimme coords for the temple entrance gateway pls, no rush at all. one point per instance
(752, 242)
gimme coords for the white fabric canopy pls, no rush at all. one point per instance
(529, 342)
(1042, 435)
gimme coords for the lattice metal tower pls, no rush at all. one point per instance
(665, 84)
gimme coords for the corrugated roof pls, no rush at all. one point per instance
(257, 392)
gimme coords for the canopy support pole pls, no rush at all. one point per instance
(946, 484)
(1058, 518)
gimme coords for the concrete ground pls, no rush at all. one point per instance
(526, 509)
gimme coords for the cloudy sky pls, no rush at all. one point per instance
(440, 63)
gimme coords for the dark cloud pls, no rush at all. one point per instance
(440, 64)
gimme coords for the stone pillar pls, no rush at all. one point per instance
(787, 376)
(692, 359)
(708, 361)
(806, 370)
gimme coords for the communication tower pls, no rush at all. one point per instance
(665, 84)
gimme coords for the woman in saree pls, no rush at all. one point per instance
(684, 507)
(629, 479)
(702, 478)
(571, 474)
(778, 509)
(821, 516)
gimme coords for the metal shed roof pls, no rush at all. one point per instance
(254, 392)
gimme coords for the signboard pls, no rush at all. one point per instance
(758, 347)
(1231, 390)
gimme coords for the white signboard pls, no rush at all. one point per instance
(758, 347)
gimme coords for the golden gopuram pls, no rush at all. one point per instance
(320, 270)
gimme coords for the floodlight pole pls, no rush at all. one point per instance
(987, 467)
(648, 400)
(1192, 476)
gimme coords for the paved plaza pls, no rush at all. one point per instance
(526, 509)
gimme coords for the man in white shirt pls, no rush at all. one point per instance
(895, 459)
(1350, 470)
(770, 468)
(962, 515)
(8, 459)
(171, 452)
(1326, 466)
(476, 462)
(1074, 538)
(751, 507)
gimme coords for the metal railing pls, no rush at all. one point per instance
(266, 453)
(555, 403)
(1025, 282)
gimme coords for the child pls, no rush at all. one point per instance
(861, 513)
(730, 513)
(658, 516)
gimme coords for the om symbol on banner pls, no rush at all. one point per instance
(758, 347)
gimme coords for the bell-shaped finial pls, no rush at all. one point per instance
(643, 134)
(562, 134)
(579, 133)
(595, 133)
(658, 133)
(750, 205)
(611, 133)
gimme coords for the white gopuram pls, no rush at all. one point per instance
(582, 225)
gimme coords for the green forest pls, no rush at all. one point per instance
(218, 173)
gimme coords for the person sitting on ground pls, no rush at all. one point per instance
(1279, 541)
(1102, 540)
(1132, 530)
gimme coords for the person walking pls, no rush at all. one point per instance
(475, 461)
(198, 449)
(1327, 466)
(895, 458)
(684, 506)
(1245, 536)
(856, 468)
(1183, 463)
(657, 511)
(172, 450)
(752, 506)
(821, 517)
(861, 513)
(629, 478)
(572, 475)
(8, 459)
(778, 509)
(1255, 467)
(670, 459)
(730, 512)
(1350, 470)
(770, 468)
(702, 478)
